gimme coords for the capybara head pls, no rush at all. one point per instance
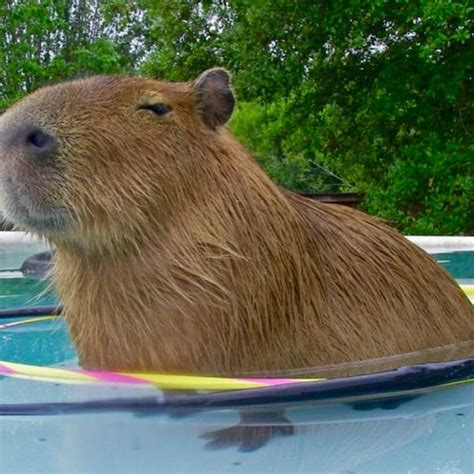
(78, 156)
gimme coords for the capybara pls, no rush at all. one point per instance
(176, 253)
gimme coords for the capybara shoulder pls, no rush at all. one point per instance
(175, 252)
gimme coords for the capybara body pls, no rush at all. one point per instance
(176, 253)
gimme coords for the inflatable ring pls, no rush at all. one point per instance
(400, 383)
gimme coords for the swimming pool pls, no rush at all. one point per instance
(429, 433)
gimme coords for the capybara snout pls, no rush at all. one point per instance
(30, 140)
(30, 172)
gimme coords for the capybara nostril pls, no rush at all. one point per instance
(39, 141)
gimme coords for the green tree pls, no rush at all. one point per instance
(50, 40)
(380, 92)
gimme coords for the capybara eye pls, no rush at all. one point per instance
(158, 109)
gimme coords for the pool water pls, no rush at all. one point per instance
(459, 264)
(17, 291)
(429, 433)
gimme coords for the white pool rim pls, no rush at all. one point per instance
(442, 244)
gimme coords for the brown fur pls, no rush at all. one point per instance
(178, 254)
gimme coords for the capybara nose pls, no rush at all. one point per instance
(37, 143)
(32, 142)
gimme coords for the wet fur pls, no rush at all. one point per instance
(185, 258)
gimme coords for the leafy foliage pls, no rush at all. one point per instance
(52, 40)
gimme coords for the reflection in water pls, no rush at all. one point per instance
(327, 439)
(342, 446)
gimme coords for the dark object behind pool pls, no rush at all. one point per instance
(37, 266)
(344, 199)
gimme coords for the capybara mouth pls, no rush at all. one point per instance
(46, 224)
(41, 223)
(30, 214)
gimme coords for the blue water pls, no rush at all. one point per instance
(17, 291)
(431, 433)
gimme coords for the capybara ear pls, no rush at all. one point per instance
(214, 96)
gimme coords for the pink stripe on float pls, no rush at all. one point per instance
(271, 382)
(6, 370)
(114, 377)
